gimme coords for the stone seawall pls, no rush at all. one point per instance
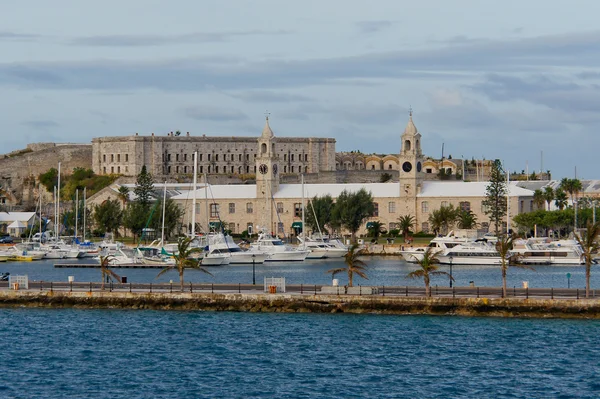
(538, 308)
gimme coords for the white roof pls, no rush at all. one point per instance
(13, 216)
(220, 192)
(466, 189)
(377, 190)
(17, 224)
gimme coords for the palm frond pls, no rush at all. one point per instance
(163, 271)
(333, 272)
(416, 274)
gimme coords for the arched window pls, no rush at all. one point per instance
(390, 166)
(407, 145)
(263, 148)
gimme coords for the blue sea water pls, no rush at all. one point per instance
(58, 353)
(389, 271)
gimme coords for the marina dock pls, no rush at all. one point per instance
(97, 266)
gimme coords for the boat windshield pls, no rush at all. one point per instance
(277, 242)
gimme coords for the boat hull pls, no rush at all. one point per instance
(288, 256)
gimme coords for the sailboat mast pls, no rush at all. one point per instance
(76, 210)
(194, 194)
(303, 227)
(84, 212)
(55, 217)
(40, 200)
(58, 202)
(507, 201)
(206, 202)
(162, 234)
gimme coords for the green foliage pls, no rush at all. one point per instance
(49, 179)
(538, 198)
(428, 267)
(466, 219)
(560, 199)
(406, 223)
(354, 265)
(322, 207)
(351, 209)
(495, 202)
(184, 259)
(442, 219)
(589, 245)
(108, 216)
(571, 186)
(555, 220)
(143, 187)
(173, 217)
(124, 194)
(135, 218)
(375, 229)
(548, 195)
(385, 177)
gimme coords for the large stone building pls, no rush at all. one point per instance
(171, 156)
(277, 207)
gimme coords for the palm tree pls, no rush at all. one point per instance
(428, 268)
(548, 195)
(106, 272)
(184, 260)
(466, 219)
(123, 195)
(538, 198)
(589, 245)
(375, 229)
(353, 265)
(571, 186)
(504, 246)
(406, 222)
(560, 199)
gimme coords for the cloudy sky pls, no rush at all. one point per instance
(504, 79)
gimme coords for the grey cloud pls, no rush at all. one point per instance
(452, 61)
(374, 26)
(6, 35)
(161, 40)
(40, 124)
(210, 113)
(554, 93)
(265, 96)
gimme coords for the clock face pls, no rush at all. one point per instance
(418, 166)
(263, 168)
(407, 166)
(275, 169)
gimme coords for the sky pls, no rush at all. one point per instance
(508, 80)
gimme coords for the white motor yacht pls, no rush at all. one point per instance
(225, 244)
(277, 250)
(547, 252)
(321, 249)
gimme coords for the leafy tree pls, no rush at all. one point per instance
(495, 202)
(466, 219)
(183, 260)
(548, 195)
(108, 216)
(49, 179)
(428, 268)
(173, 216)
(538, 198)
(106, 272)
(375, 229)
(143, 187)
(135, 218)
(589, 245)
(353, 208)
(353, 265)
(322, 207)
(406, 223)
(560, 199)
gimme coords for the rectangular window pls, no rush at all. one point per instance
(208, 157)
(200, 157)
(216, 157)
(280, 228)
(231, 207)
(112, 169)
(249, 207)
(240, 157)
(305, 157)
(126, 168)
(185, 169)
(176, 157)
(280, 207)
(424, 207)
(465, 206)
(392, 207)
(104, 158)
(214, 210)
(118, 157)
(169, 157)
(198, 208)
(177, 169)
(112, 157)
(185, 157)
(104, 170)
(118, 169)
(298, 209)
(201, 169)
(445, 204)
(375, 209)
(247, 157)
(425, 227)
(232, 228)
(126, 157)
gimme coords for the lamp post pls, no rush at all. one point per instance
(451, 259)
(253, 271)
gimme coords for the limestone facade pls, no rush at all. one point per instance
(171, 156)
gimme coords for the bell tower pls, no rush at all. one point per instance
(411, 163)
(267, 177)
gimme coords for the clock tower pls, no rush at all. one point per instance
(410, 161)
(267, 178)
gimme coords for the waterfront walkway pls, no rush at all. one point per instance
(301, 289)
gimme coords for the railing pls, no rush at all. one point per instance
(312, 289)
